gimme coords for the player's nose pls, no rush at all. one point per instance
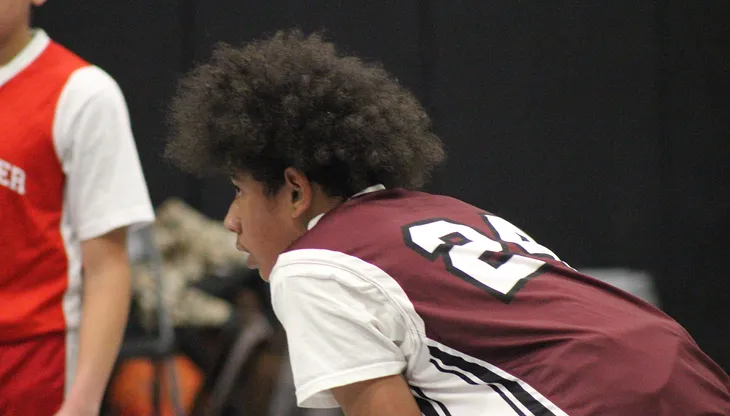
(231, 221)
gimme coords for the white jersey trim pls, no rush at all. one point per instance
(72, 355)
(72, 296)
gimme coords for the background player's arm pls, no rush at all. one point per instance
(105, 306)
(382, 396)
(106, 193)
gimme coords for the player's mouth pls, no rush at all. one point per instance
(247, 257)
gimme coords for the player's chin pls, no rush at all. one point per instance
(250, 260)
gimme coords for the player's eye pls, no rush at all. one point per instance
(236, 187)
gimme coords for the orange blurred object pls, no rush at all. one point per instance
(130, 391)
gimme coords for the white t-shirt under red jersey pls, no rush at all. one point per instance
(69, 172)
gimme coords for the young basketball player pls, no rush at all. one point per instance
(70, 186)
(399, 302)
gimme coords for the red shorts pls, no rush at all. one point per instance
(33, 376)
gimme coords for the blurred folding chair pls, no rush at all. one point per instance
(157, 346)
(257, 331)
(248, 330)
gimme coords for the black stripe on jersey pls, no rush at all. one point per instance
(456, 373)
(489, 377)
(507, 399)
(473, 383)
(428, 405)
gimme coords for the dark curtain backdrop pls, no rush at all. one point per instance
(601, 128)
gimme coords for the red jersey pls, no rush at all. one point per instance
(69, 172)
(479, 318)
(32, 246)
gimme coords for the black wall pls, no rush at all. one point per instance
(602, 128)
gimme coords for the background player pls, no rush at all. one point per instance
(70, 185)
(397, 302)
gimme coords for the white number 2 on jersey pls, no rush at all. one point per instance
(464, 249)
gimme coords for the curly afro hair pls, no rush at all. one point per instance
(292, 100)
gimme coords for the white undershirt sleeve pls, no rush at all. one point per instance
(105, 186)
(340, 329)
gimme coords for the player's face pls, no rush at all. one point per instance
(263, 224)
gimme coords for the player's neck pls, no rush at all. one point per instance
(321, 204)
(14, 43)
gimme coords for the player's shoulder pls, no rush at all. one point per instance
(89, 83)
(312, 275)
(89, 96)
(407, 197)
(384, 207)
(409, 203)
(319, 263)
(44, 66)
(60, 57)
(372, 225)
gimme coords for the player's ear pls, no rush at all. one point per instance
(300, 190)
(37, 3)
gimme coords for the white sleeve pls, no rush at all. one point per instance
(340, 330)
(105, 186)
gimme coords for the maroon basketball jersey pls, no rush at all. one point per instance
(504, 318)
